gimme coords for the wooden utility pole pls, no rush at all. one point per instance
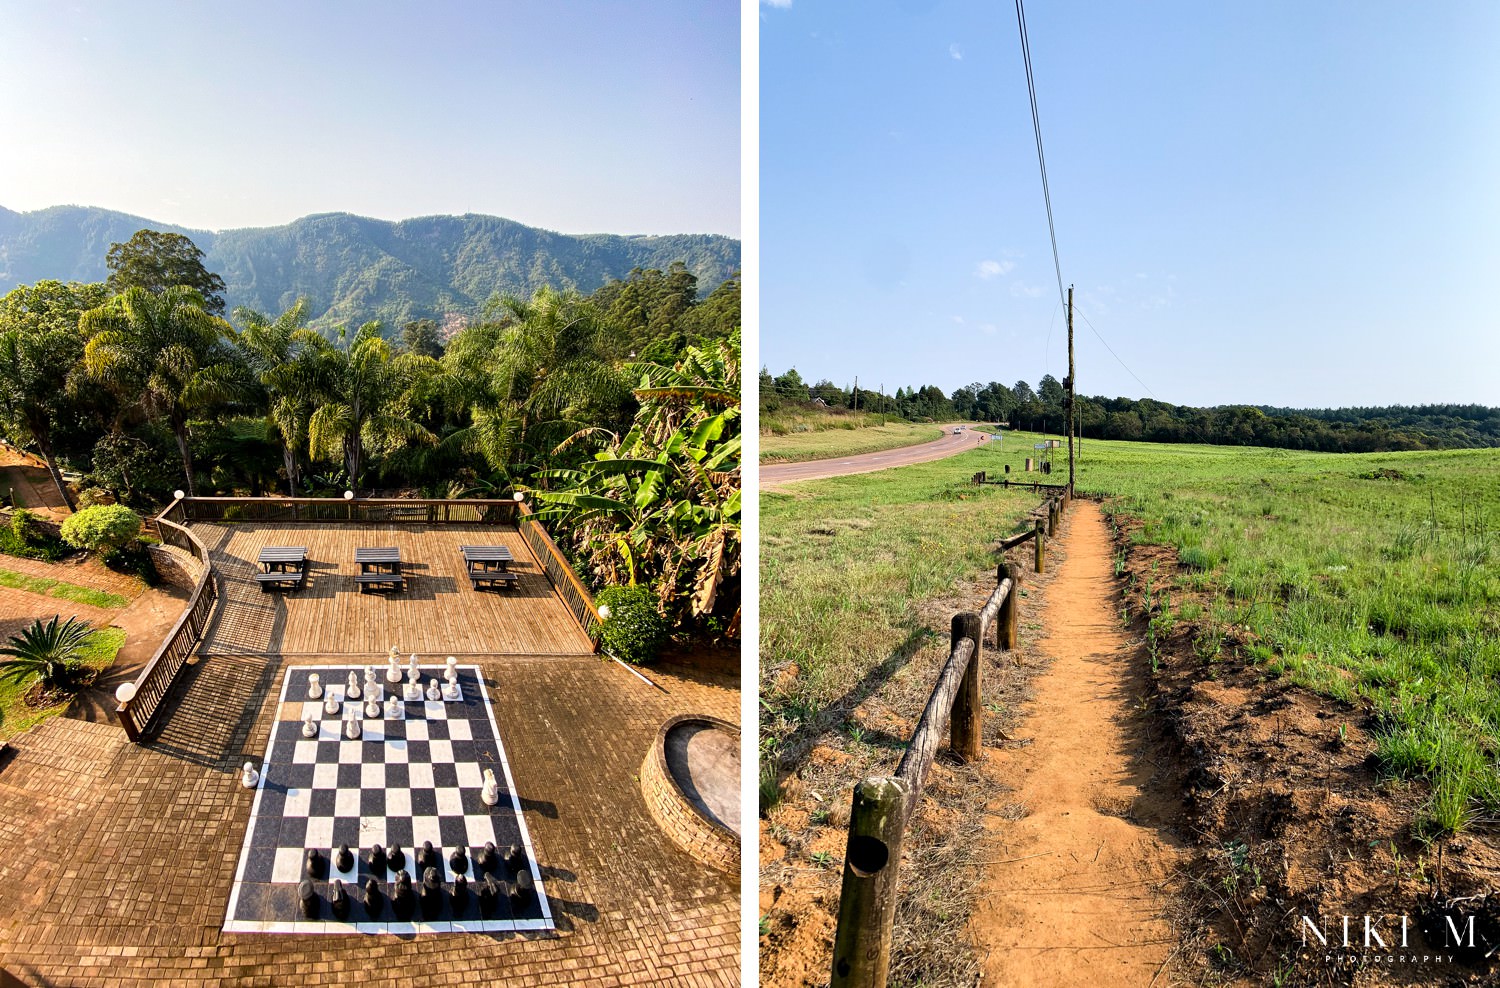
(856, 392)
(1072, 391)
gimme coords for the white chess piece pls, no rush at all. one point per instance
(310, 727)
(372, 708)
(352, 729)
(413, 687)
(330, 705)
(249, 777)
(393, 708)
(393, 673)
(452, 665)
(370, 681)
(433, 693)
(453, 691)
(314, 687)
(451, 674)
(411, 666)
(490, 794)
(352, 692)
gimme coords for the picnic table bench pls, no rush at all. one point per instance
(282, 567)
(489, 564)
(379, 567)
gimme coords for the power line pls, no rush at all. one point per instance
(1041, 157)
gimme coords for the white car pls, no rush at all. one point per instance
(958, 430)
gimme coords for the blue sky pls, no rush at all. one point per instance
(579, 117)
(1270, 203)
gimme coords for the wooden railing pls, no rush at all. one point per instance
(139, 712)
(580, 602)
(884, 804)
(363, 510)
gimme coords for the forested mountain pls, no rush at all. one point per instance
(352, 269)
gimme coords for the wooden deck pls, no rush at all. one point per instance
(438, 613)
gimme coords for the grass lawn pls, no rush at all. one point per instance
(62, 591)
(842, 440)
(1371, 578)
(16, 716)
(847, 562)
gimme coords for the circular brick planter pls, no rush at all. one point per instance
(691, 781)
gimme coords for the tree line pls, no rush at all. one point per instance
(141, 385)
(1041, 409)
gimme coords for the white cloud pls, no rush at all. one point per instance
(958, 320)
(1022, 290)
(953, 49)
(783, 4)
(988, 328)
(990, 269)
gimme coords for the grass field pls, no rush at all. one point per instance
(844, 441)
(61, 590)
(1371, 578)
(16, 716)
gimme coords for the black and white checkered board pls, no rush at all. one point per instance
(406, 780)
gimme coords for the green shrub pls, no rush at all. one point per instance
(27, 538)
(635, 629)
(104, 528)
(134, 558)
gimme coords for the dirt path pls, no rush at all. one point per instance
(776, 474)
(1071, 888)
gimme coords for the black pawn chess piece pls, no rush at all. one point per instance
(394, 859)
(314, 864)
(309, 899)
(489, 892)
(402, 900)
(432, 893)
(524, 892)
(459, 860)
(425, 857)
(377, 860)
(374, 901)
(514, 857)
(340, 905)
(460, 895)
(343, 860)
(486, 859)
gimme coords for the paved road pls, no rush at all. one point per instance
(773, 475)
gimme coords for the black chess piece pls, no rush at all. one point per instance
(425, 857)
(377, 860)
(343, 860)
(432, 893)
(308, 898)
(459, 860)
(460, 895)
(394, 859)
(486, 859)
(314, 864)
(374, 901)
(340, 905)
(514, 856)
(402, 900)
(524, 892)
(489, 892)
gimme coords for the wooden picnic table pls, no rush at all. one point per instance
(379, 565)
(281, 566)
(489, 564)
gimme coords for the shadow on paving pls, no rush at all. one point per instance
(193, 725)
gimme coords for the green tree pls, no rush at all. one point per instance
(421, 337)
(363, 401)
(40, 346)
(48, 651)
(166, 355)
(104, 528)
(287, 360)
(157, 261)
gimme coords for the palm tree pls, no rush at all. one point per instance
(49, 651)
(364, 401)
(285, 357)
(165, 354)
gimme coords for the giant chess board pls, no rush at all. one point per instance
(407, 779)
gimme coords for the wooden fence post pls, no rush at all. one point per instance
(1008, 622)
(966, 725)
(867, 904)
(1052, 517)
(1041, 546)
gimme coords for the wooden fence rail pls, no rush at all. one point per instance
(580, 602)
(883, 805)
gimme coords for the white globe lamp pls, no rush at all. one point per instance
(125, 692)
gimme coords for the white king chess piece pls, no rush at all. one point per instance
(248, 776)
(490, 794)
(314, 687)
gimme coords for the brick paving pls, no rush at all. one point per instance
(117, 860)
